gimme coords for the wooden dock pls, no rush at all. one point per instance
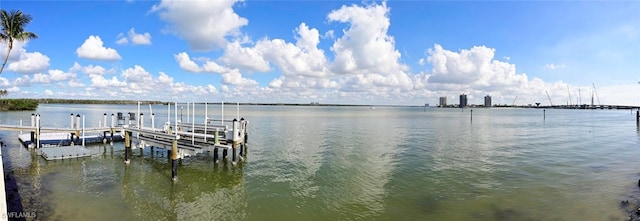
(179, 139)
(187, 139)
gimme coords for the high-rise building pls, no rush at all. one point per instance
(443, 101)
(487, 101)
(463, 100)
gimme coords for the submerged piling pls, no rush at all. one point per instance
(215, 155)
(127, 146)
(233, 153)
(224, 153)
(174, 158)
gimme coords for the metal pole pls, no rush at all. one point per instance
(83, 130)
(206, 118)
(138, 115)
(38, 131)
(222, 113)
(176, 117)
(193, 124)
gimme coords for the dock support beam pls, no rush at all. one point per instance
(127, 147)
(174, 159)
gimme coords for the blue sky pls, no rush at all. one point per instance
(394, 52)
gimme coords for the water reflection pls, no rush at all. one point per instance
(344, 163)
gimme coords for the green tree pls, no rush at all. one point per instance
(2, 94)
(13, 24)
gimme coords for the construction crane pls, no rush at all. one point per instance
(569, 93)
(549, 98)
(596, 92)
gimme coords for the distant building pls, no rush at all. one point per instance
(463, 100)
(487, 101)
(443, 101)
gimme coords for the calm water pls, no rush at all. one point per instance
(346, 163)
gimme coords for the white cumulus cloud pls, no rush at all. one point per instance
(53, 76)
(100, 81)
(90, 69)
(185, 62)
(134, 38)
(204, 24)
(21, 61)
(93, 49)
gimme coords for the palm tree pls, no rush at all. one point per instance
(13, 24)
(2, 94)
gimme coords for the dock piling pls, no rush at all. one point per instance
(37, 130)
(174, 158)
(127, 147)
(215, 155)
(224, 153)
(141, 121)
(77, 123)
(233, 153)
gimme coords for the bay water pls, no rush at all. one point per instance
(346, 163)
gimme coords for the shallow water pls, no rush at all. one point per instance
(343, 163)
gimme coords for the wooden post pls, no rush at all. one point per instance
(638, 116)
(244, 146)
(544, 114)
(215, 155)
(33, 137)
(471, 114)
(233, 152)
(127, 146)
(174, 158)
(216, 139)
(224, 153)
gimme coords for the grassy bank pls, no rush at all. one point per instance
(18, 104)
